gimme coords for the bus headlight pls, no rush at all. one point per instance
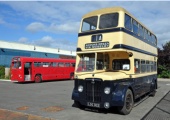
(107, 90)
(80, 88)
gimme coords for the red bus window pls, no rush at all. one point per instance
(37, 64)
(16, 64)
(61, 64)
(46, 64)
(67, 64)
(73, 64)
(54, 64)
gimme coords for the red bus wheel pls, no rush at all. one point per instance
(38, 79)
(71, 76)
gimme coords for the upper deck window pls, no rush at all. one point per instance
(128, 23)
(154, 39)
(89, 24)
(141, 32)
(108, 20)
(135, 27)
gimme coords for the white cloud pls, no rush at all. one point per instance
(70, 27)
(23, 40)
(45, 41)
(35, 27)
(48, 41)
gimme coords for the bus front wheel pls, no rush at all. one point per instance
(77, 104)
(38, 78)
(128, 103)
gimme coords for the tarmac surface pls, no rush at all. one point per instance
(52, 101)
(161, 111)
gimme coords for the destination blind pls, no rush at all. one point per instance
(97, 45)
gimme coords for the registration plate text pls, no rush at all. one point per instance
(90, 104)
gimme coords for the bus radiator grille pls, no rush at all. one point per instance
(93, 91)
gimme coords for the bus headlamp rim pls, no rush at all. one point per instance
(80, 88)
(107, 90)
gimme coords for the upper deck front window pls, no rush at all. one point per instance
(89, 24)
(108, 20)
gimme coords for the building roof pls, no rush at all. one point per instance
(35, 48)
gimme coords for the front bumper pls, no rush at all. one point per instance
(93, 94)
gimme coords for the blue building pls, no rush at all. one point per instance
(8, 50)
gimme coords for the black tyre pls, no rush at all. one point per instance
(71, 76)
(128, 103)
(38, 79)
(153, 89)
(77, 104)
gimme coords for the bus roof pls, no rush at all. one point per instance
(103, 11)
(43, 59)
(111, 10)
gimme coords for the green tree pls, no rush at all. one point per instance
(2, 72)
(164, 61)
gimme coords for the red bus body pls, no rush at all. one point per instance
(24, 69)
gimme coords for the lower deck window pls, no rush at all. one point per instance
(137, 66)
(121, 64)
(86, 63)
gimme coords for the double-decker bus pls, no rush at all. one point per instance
(116, 60)
(25, 69)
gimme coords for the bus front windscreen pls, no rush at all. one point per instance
(89, 24)
(108, 20)
(86, 63)
(16, 64)
(105, 21)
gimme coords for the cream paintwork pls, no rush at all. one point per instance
(115, 38)
(104, 75)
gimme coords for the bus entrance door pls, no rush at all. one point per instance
(27, 71)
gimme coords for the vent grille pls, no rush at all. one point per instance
(93, 90)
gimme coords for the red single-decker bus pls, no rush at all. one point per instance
(24, 69)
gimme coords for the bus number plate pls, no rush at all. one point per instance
(90, 104)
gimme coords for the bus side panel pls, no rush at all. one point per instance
(17, 75)
(68, 72)
(47, 73)
(143, 85)
(119, 93)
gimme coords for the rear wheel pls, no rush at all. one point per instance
(153, 89)
(38, 79)
(128, 103)
(71, 76)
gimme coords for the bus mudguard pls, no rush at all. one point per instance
(118, 96)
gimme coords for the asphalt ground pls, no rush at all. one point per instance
(161, 111)
(52, 100)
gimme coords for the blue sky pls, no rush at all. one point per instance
(55, 24)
